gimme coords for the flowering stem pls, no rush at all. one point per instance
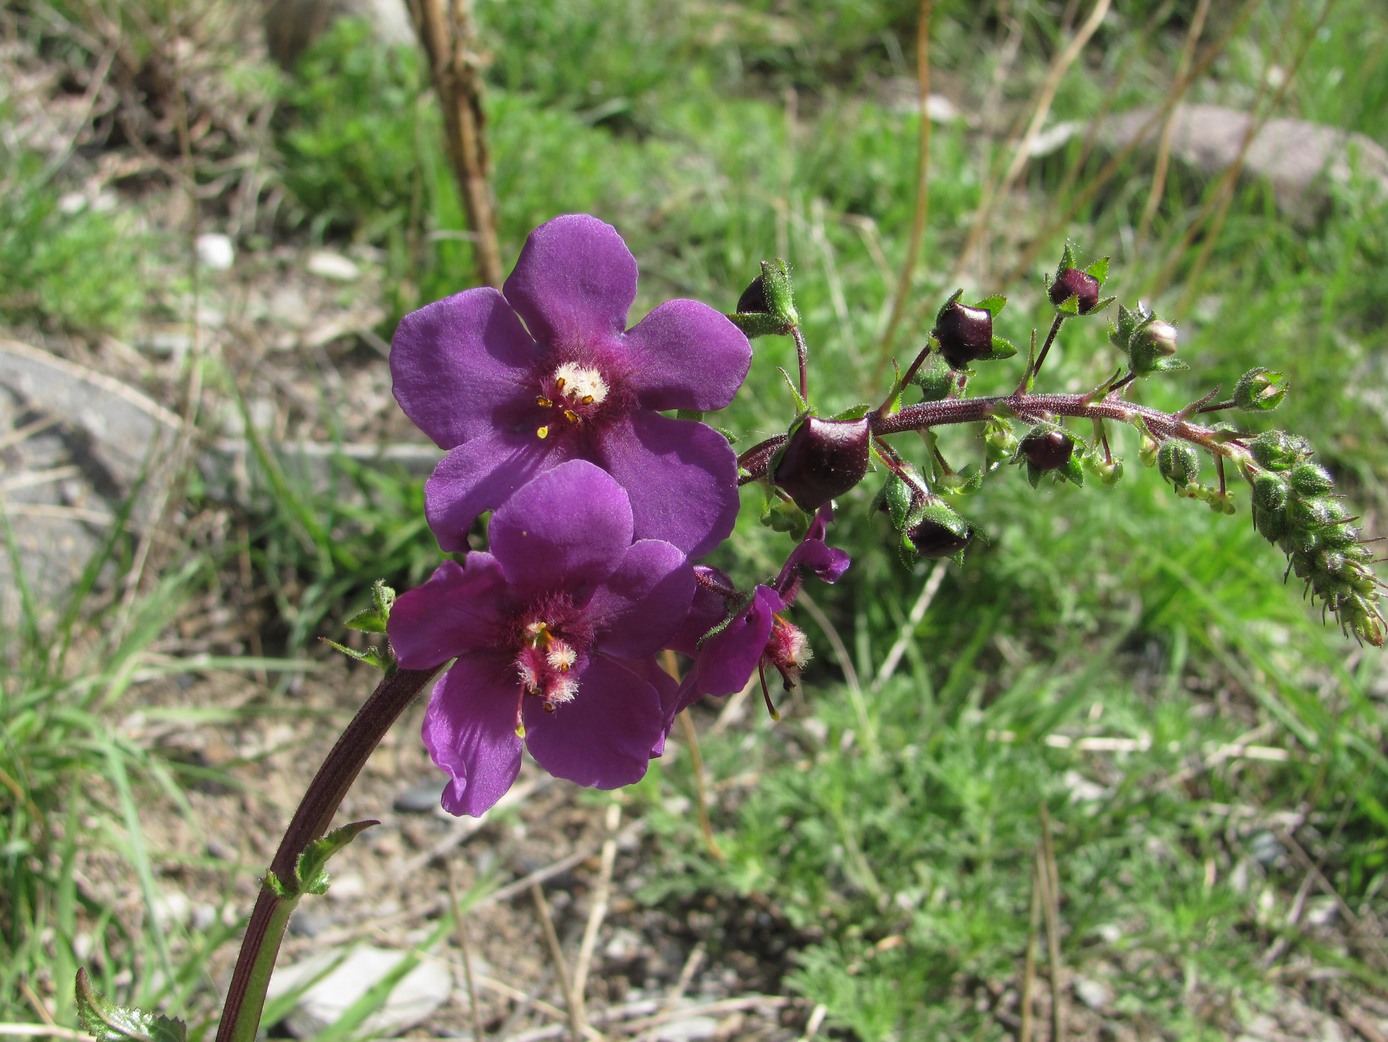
(1045, 349)
(755, 462)
(246, 994)
(802, 355)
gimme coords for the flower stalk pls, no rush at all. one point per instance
(260, 946)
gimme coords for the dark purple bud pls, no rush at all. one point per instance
(1047, 449)
(940, 533)
(1079, 284)
(822, 459)
(753, 298)
(965, 334)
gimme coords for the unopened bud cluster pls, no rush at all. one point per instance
(1296, 509)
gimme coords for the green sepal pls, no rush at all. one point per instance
(106, 1022)
(1278, 450)
(689, 414)
(1260, 390)
(767, 306)
(310, 870)
(897, 499)
(1001, 349)
(782, 515)
(371, 656)
(993, 304)
(312, 865)
(1072, 470)
(1178, 462)
(853, 412)
(1070, 306)
(780, 293)
(757, 323)
(802, 407)
(966, 480)
(1099, 269)
(935, 380)
(374, 618)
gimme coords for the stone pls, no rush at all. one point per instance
(291, 25)
(1299, 161)
(333, 266)
(331, 981)
(75, 446)
(215, 251)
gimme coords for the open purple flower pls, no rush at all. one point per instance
(517, 382)
(554, 634)
(756, 635)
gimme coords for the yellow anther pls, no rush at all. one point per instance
(543, 402)
(542, 432)
(570, 415)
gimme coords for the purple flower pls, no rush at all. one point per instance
(554, 634)
(518, 382)
(756, 634)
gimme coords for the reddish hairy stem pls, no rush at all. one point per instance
(1028, 407)
(310, 821)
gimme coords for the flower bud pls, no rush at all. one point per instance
(935, 382)
(1270, 495)
(1311, 479)
(1278, 450)
(1178, 462)
(939, 532)
(1071, 282)
(822, 459)
(1259, 390)
(1047, 449)
(767, 306)
(965, 334)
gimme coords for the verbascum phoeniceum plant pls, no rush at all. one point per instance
(578, 513)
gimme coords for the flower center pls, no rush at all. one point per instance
(574, 394)
(544, 664)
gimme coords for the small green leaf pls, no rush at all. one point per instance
(368, 620)
(371, 656)
(1001, 349)
(853, 412)
(107, 1022)
(311, 866)
(1099, 269)
(992, 304)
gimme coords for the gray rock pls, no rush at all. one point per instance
(291, 25)
(332, 981)
(334, 266)
(75, 447)
(1298, 160)
(216, 251)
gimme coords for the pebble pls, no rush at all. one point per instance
(334, 266)
(215, 251)
(1094, 994)
(334, 980)
(420, 799)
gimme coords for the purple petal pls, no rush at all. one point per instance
(643, 601)
(574, 281)
(571, 525)
(470, 731)
(480, 475)
(460, 609)
(685, 355)
(604, 737)
(706, 611)
(727, 659)
(813, 555)
(681, 476)
(457, 361)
